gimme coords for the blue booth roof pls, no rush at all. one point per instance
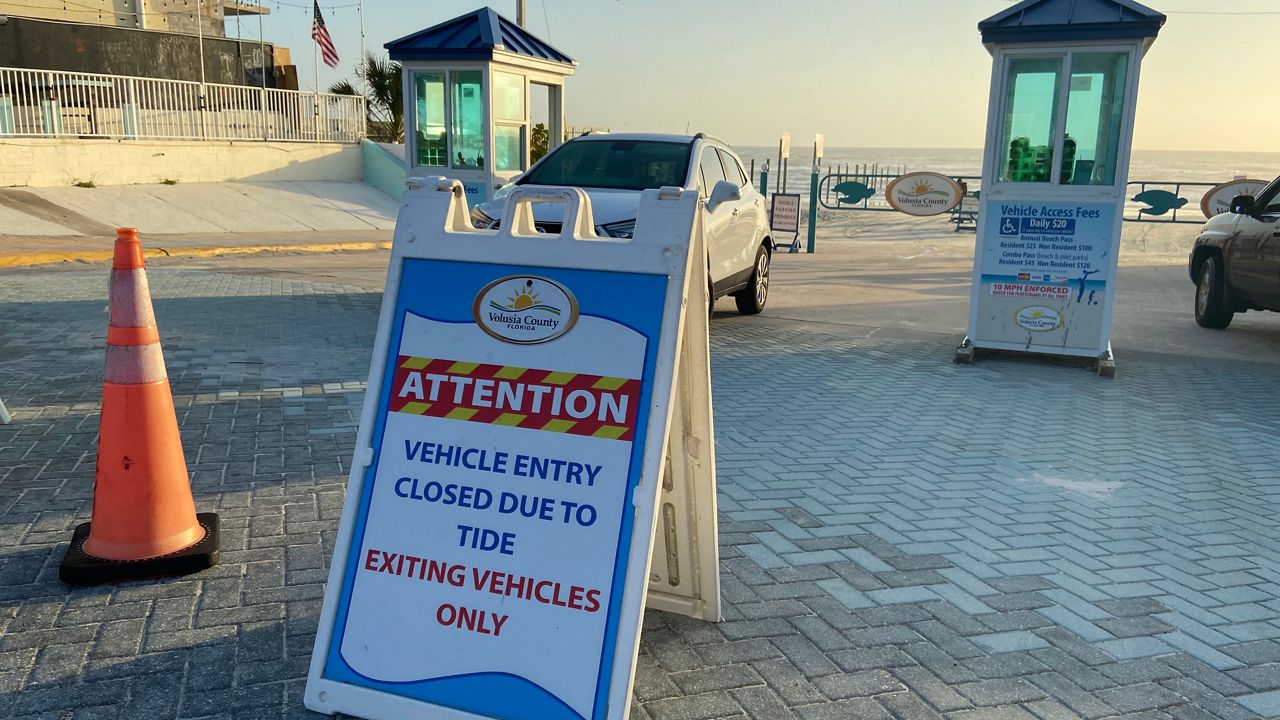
(1051, 21)
(473, 36)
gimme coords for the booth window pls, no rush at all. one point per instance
(1095, 107)
(432, 147)
(467, 99)
(510, 121)
(1030, 115)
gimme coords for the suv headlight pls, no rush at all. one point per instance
(625, 229)
(481, 220)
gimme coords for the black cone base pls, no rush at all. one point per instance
(80, 568)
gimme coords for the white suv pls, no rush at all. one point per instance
(614, 168)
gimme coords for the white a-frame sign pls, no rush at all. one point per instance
(538, 404)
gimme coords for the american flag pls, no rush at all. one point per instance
(320, 34)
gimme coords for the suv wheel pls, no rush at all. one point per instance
(1213, 309)
(752, 298)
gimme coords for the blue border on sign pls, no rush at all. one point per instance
(443, 291)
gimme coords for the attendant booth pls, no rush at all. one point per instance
(1064, 86)
(467, 99)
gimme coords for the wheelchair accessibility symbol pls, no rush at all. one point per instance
(1008, 226)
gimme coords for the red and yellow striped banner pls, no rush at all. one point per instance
(565, 402)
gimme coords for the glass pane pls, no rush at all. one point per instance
(1030, 111)
(1095, 108)
(468, 118)
(1269, 198)
(429, 98)
(508, 147)
(617, 164)
(712, 172)
(508, 97)
(732, 170)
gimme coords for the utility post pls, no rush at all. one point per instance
(520, 13)
(819, 148)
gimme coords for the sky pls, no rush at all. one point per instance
(865, 73)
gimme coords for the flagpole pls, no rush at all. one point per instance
(315, 53)
(363, 52)
(200, 49)
(262, 48)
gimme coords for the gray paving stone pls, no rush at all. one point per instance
(696, 707)
(861, 708)
(1007, 712)
(907, 705)
(890, 563)
(1009, 641)
(1255, 653)
(1142, 696)
(1135, 647)
(1259, 677)
(1005, 665)
(1001, 691)
(1265, 704)
(858, 684)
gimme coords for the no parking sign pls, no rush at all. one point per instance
(493, 554)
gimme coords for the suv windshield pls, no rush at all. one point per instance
(613, 164)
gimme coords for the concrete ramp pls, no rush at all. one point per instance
(16, 222)
(198, 208)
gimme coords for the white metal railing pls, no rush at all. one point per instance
(53, 103)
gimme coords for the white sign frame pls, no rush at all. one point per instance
(434, 225)
(787, 199)
(684, 576)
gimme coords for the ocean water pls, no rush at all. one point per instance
(1149, 165)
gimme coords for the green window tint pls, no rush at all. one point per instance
(429, 98)
(508, 147)
(508, 97)
(468, 118)
(1030, 111)
(1095, 111)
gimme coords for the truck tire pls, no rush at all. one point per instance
(1213, 306)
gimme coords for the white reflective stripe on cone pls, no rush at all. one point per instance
(131, 299)
(135, 364)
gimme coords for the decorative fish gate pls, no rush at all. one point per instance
(868, 188)
(1162, 201)
(872, 189)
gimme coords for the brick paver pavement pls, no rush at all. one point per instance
(902, 538)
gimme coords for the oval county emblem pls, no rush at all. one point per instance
(525, 309)
(1217, 199)
(1038, 318)
(923, 193)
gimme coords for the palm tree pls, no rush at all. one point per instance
(378, 80)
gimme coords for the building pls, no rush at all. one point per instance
(186, 16)
(162, 39)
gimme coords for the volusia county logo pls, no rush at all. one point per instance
(525, 309)
(1038, 318)
(923, 193)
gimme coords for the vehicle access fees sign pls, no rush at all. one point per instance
(490, 546)
(1044, 276)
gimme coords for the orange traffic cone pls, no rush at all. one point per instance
(144, 519)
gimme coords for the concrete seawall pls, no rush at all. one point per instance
(61, 162)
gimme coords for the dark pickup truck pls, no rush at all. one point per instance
(1235, 262)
